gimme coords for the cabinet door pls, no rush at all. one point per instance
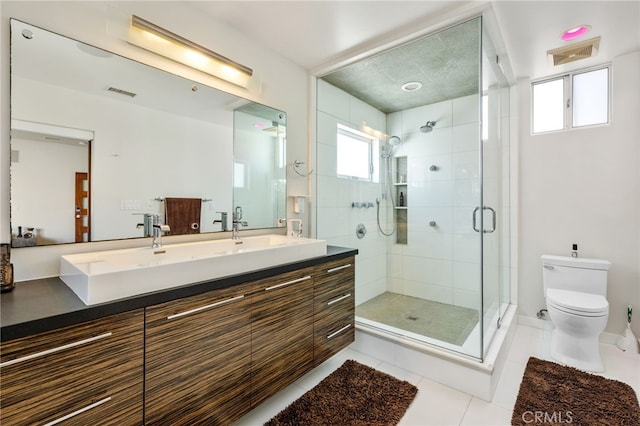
(198, 359)
(282, 332)
(90, 373)
(334, 308)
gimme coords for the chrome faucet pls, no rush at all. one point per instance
(153, 228)
(237, 215)
(222, 221)
(147, 224)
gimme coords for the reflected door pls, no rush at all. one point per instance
(81, 207)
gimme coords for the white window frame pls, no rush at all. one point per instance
(361, 136)
(568, 98)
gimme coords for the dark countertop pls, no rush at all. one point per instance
(46, 304)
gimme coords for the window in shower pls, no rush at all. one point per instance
(572, 100)
(354, 154)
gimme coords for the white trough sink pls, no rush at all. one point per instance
(103, 276)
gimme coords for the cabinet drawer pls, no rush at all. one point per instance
(198, 359)
(89, 373)
(334, 273)
(328, 299)
(334, 307)
(331, 334)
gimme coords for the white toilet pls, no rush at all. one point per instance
(575, 290)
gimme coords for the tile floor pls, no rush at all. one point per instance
(437, 404)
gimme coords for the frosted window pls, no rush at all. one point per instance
(353, 154)
(591, 98)
(548, 106)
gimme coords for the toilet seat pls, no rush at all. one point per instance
(578, 303)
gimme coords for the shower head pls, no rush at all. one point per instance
(394, 140)
(427, 127)
(387, 148)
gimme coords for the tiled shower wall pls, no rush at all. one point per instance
(440, 263)
(336, 219)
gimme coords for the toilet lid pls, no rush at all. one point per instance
(577, 301)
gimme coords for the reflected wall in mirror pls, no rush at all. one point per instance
(259, 165)
(154, 135)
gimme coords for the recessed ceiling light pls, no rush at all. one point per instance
(412, 86)
(575, 32)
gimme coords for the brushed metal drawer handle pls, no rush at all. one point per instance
(288, 283)
(202, 308)
(335, 333)
(348, 265)
(331, 302)
(80, 411)
(56, 349)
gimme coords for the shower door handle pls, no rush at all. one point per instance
(493, 220)
(475, 228)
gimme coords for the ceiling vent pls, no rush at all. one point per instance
(574, 52)
(121, 92)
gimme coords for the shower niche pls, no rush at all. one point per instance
(400, 198)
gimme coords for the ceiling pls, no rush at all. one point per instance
(320, 34)
(45, 56)
(446, 65)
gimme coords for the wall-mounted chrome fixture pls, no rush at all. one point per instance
(433, 224)
(361, 204)
(150, 36)
(161, 199)
(427, 127)
(296, 166)
(434, 168)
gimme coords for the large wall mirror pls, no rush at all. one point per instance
(97, 140)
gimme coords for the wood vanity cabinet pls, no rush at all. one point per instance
(282, 332)
(334, 308)
(80, 373)
(198, 358)
(206, 359)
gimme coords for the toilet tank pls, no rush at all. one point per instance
(576, 274)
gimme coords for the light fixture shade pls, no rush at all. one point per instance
(158, 40)
(575, 32)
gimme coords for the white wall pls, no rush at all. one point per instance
(188, 158)
(336, 219)
(583, 186)
(284, 86)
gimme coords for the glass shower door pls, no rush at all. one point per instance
(495, 193)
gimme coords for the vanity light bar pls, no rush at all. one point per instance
(220, 66)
